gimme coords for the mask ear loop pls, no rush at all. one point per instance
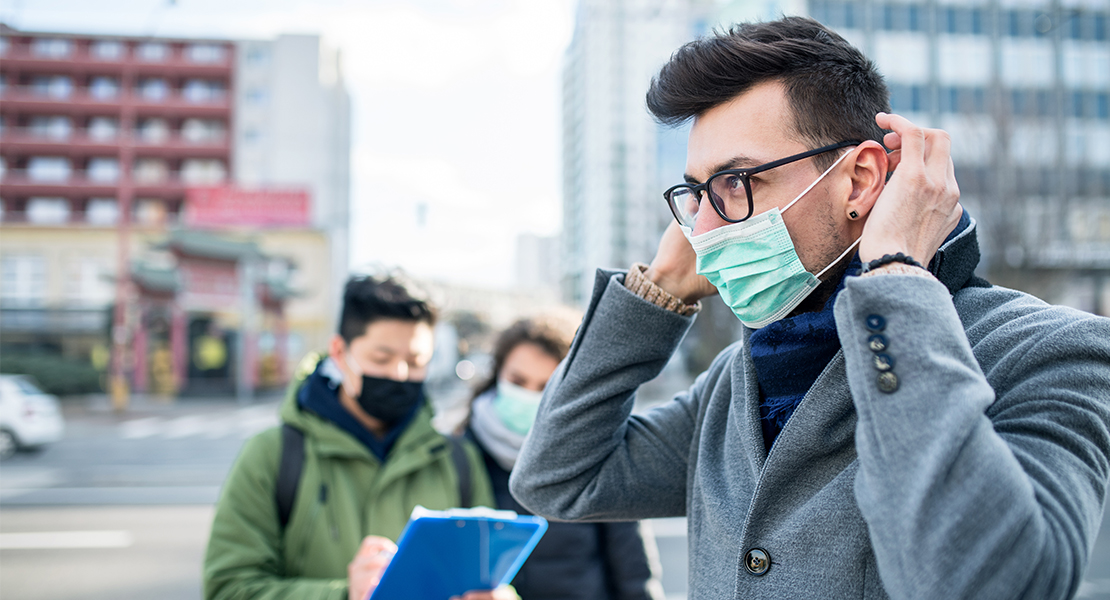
(815, 182)
(804, 192)
(839, 258)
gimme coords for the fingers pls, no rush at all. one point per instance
(911, 144)
(911, 137)
(373, 544)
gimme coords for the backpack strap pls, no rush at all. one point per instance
(289, 471)
(462, 469)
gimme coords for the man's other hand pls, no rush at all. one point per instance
(674, 268)
(365, 571)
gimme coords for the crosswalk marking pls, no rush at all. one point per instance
(51, 540)
(242, 423)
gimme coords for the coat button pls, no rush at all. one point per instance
(757, 561)
(876, 323)
(887, 382)
(884, 362)
(877, 342)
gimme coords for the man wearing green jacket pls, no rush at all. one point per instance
(370, 456)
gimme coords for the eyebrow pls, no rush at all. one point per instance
(736, 162)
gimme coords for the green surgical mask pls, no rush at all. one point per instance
(516, 406)
(754, 266)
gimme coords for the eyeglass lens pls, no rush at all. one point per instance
(728, 192)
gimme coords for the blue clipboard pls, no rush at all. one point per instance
(448, 553)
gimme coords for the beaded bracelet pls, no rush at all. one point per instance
(888, 259)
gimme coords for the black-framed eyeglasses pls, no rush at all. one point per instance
(724, 189)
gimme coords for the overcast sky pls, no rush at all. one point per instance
(455, 108)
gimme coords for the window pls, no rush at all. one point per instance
(205, 53)
(55, 128)
(914, 21)
(103, 169)
(202, 171)
(48, 168)
(907, 98)
(1076, 105)
(150, 212)
(106, 50)
(57, 86)
(85, 283)
(154, 89)
(104, 88)
(154, 130)
(151, 170)
(24, 279)
(202, 90)
(48, 211)
(102, 211)
(258, 96)
(257, 56)
(51, 47)
(5, 45)
(103, 128)
(199, 131)
(152, 52)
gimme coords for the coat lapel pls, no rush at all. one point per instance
(815, 446)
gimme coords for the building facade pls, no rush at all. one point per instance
(113, 146)
(1023, 87)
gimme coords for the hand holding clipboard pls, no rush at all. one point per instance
(443, 554)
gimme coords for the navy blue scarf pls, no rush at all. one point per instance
(789, 355)
(319, 395)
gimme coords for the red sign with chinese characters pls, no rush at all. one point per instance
(232, 206)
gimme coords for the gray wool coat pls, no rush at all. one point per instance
(981, 476)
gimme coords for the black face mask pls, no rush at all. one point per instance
(389, 400)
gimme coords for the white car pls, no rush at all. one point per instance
(29, 417)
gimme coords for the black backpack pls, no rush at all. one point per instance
(292, 463)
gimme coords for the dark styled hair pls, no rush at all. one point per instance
(369, 298)
(834, 91)
(552, 334)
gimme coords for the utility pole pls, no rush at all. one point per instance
(119, 387)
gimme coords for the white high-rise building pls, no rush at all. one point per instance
(292, 127)
(613, 213)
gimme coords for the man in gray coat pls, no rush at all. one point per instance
(889, 425)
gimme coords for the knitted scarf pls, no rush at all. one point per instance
(789, 355)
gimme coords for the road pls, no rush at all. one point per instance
(120, 509)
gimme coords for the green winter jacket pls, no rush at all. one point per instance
(345, 494)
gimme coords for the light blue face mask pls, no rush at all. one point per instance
(754, 266)
(516, 406)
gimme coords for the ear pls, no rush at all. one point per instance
(868, 177)
(337, 348)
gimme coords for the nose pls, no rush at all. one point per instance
(402, 371)
(707, 218)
